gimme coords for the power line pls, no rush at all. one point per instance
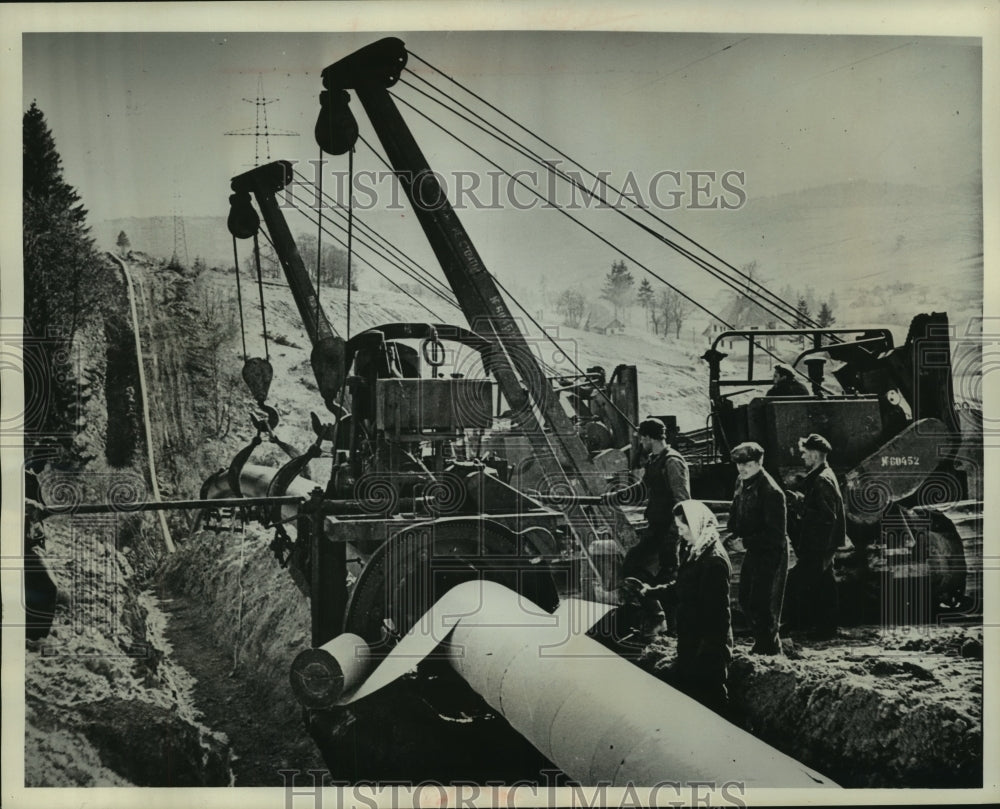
(261, 131)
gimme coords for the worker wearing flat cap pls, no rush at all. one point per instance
(785, 383)
(820, 530)
(665, 482)
(758, 517)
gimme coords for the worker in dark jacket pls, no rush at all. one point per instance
(704, 623)
(757, 515)
(665, 482)
(820, 529)
(785, 383)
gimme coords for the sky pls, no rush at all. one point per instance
(140, 118)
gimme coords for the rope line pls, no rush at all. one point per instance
(319, 241)
(373, 267)
(430, 282)
(552, 371)
(620, 193)
(239, 300)
(512, 143)
(260, 289)
(374, 250)
(350, 230)
(594, 233)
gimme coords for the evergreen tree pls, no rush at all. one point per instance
(646, 298)
(64, 281)
(123, 243)
(618, 287)
(825, 317)
(62, 275)
(43, 167)
(803, 317)
(802, 310)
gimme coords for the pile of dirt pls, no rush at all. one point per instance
(868, 709)
(950, 642)
(105, 705)
(237, 620)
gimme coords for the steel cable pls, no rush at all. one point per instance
(620, 193)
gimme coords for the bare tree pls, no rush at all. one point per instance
(670, 311)
(571, 305)
(678, 308)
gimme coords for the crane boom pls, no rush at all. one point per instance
(327, 357)
(560, 452)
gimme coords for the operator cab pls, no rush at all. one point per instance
(822, 390)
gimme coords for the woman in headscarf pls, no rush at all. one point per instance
(704, 625)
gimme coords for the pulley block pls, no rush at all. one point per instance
(258, 373)
(243, 221)
(336, 128)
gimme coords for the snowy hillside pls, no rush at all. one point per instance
(672, 380)
(879, 254)
(880, 251)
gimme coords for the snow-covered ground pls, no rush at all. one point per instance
(672, 378)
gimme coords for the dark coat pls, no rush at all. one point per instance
(757, 514)
(821, 521)
(665, 483)
(704, 626)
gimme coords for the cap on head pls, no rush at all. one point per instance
(653, 428)
(747, 451)
(815, 441)
(784, 370)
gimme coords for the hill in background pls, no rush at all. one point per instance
(879, 253)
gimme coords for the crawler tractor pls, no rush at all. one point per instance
(909, 461)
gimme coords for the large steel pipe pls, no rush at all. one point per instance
(593, 714)
(596, 716)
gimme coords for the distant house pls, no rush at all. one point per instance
(601, 320)
(742, 313)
